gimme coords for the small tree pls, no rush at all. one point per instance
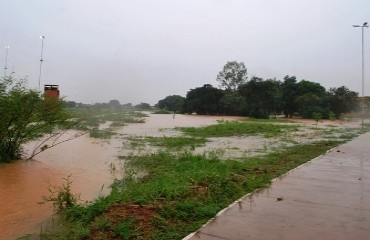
(232, 75)
(331, 116)
(25, 115)
(317, 116)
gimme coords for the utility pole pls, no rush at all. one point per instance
(41, 60)
(363, 70)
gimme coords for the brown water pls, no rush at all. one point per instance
(23, 183)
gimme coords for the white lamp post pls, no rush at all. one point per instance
(363, 69)
(6, 60)
(41, 60)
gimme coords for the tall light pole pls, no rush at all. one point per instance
(363, 69)
(6, 60)
(41, 60)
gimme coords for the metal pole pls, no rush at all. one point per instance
(6, 60)
(363, 71)
(41, 60)
(363, 79)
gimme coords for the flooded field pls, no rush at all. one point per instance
(88, 160)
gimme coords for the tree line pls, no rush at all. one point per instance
(261, 98)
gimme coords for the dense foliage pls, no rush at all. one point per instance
(172, 103)
(261, 98)
(24, 116)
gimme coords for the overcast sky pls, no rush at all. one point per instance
(144, 50)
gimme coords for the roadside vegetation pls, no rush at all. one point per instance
(26, 115)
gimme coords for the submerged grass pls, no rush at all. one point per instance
(224, 129)
(174, 143)
(178, 194)
(102, 134)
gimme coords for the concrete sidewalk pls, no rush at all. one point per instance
(327, 198)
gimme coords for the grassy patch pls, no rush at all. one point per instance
(162, 111)
(343, 133)
(117, 124)
(224, 129)
(170, 142)
(182, 191)
(102, 134)
(123, 117)
(89, 119)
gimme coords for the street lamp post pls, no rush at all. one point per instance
(363, 70)
(6, 60)
(41, 60)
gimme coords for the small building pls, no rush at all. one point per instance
(51, 91)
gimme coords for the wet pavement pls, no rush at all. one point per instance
(326, 198)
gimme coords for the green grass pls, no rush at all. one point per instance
(88, 119)
(225, 129)
(343, 133)
(123, 117)
(162, 111)
(174, 143)
(185, 189)
(117, 124)
(102, 134)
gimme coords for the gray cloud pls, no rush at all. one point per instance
(143, 50)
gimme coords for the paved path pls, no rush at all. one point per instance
(327, 198)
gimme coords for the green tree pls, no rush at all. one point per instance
(203, 100)
(317, 116)
(261, 97)
(232, 75)
(114, 104)
(70, 104)
(172, 103)
(289, 94)
(232, 103)
(143, 106)
(310, 98)
(25, 115)
(342, 100)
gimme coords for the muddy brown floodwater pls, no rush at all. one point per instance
(23, 183)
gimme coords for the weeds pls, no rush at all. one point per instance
(62, 197)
